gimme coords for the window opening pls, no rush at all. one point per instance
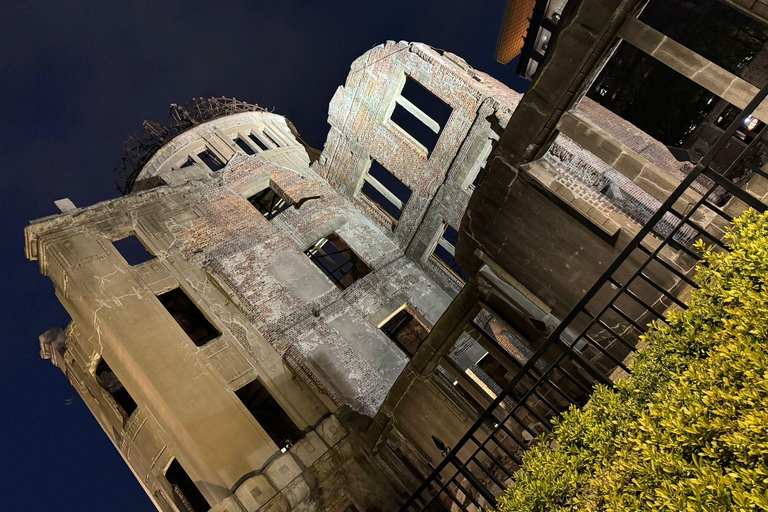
(749, 128)
(268, 203)
(210, 161)
(245, 148)
(268, 413)
(389, 193)
(420, 113)
(132, 250)
(112, 385)
(495, 370)
(478, 176)
(406, 331)
(186, 495)
(258, 142)
(445, 253)
(188, 316)
(337, 261)
(270, 138)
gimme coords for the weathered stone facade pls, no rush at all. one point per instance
(317, 348)
(240, 304)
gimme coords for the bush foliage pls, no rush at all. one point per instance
(688, 430)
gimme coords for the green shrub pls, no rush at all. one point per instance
(688, 430)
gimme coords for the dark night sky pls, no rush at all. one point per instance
(75, 79)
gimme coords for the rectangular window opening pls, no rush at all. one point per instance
(112, 385)
(132, 250)
(445, 253)
(337, 261)
(495, 370)
(186, 495)
(244, 147)
(420, 113)
(210, 161)
(388, 193)
(270, 139)
(478, 176)
(268, 202)
(268, 413)
(188, 316)
(406, 331)
(258, 142)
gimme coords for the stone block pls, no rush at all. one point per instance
(309, 449)
(276, 504)
(255, 492)
(331, 430)
(296, 492)
(228, 504)
(282, 471)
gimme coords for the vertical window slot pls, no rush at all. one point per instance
(268, 413)
(189, 317)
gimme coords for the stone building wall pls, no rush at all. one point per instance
(441, 180)
(281, 322)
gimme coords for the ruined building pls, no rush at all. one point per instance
(258, 325)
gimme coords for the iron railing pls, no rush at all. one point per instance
(595, 341)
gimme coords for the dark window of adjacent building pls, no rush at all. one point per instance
(186, 495)
(210, 161)
(270, 138)
(132, 250)
(336, 260)
(268, 202)
(268, 413)
(445, 252)
(245, 148)
(258, 142)
(188, 316)
(420, 113)
(749, 128)
(495, 370)
(406, 331)
(112, 385)
(389, 193)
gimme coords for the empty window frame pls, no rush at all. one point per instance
(132, 250)
(445, 252)
(256, 140)
(406, 331)
(420, 114)
(188, 316)
(210, 160)
(336, 260)
(268, 413)
(186, 495)
(268, 202)
(389, 193)
(243, 146)
(270, 138)
(112, 385)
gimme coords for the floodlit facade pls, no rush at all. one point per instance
(259, 325)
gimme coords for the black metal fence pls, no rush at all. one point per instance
(595, 341)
